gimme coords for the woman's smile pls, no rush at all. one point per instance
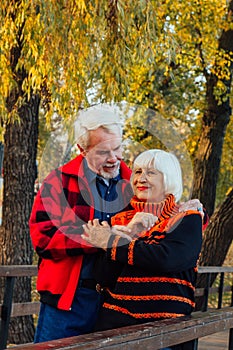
(142, 188)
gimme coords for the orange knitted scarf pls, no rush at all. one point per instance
(167, 212)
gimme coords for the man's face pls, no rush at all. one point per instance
(104, 153)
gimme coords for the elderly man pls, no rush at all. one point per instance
(93, 185)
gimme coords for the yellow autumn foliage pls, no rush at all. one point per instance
(152, 53)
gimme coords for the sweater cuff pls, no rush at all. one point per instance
(117, 248)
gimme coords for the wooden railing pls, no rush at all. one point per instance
(150, 336)
(159, 333)
(9, 309)
(220, 289)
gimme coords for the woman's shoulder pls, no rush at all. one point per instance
(190, 216)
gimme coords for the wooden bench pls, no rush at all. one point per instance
(9, 309)
(149, 336)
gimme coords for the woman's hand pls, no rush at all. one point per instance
(142, 222)
(122, 231)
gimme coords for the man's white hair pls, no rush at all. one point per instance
(103, 115)
(167, 164)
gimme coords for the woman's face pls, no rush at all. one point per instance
(148, 184)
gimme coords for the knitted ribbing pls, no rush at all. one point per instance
(164, 210)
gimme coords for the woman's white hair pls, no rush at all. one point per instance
(167, 164)
(102, 115)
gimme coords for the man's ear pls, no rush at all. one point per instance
(81, 150)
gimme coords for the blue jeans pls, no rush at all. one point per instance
(55, 324)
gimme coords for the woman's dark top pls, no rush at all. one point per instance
(156, 270)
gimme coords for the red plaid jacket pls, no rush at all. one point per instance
(63, 204)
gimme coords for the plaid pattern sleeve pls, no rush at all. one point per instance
(59, 211)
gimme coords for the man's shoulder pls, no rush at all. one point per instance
(72, 167)
(125, 171)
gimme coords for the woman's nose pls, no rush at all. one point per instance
(142, 177)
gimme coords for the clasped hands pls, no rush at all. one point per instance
(99, 233)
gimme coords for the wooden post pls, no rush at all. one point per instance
(6, 311)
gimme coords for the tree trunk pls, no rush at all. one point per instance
(218, 235)
(215, 121)
(217, 240)
(19, 166)
(20, 146)
(207, 161)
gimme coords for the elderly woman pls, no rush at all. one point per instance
(157, 258)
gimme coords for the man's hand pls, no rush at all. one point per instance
(192, 204)
(99, 233)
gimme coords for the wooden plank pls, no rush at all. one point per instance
(215, 269)
(24, 309)
(18, 271)
(213, 290)
(31, 270)
(29, 308)
(150, 336)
